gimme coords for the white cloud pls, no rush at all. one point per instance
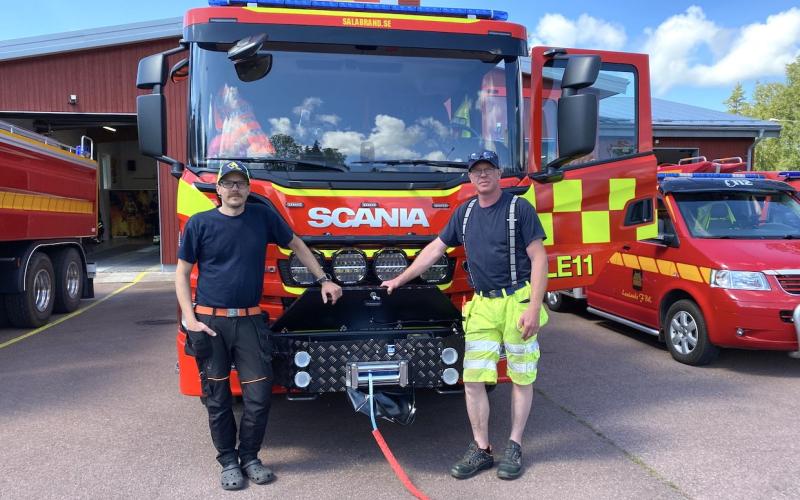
(556, 30)
(390, 138)
(280, 126)
(757, 50)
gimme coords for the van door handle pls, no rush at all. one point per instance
(626, 248)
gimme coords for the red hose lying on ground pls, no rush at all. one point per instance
(398, 470)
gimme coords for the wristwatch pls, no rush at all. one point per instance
(322, 279)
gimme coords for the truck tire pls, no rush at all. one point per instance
(68, 268)
(557, 302)
(687, 336)
(3, 315)
(33, 307)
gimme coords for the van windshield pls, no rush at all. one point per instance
(740, 215)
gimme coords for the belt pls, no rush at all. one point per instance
(501, 292)
(228, 312)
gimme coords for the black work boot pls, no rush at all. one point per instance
(511, 465)
(474, 461)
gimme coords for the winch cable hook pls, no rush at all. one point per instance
(387, 453)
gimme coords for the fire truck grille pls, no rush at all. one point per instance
(329, 360)
(790, 283)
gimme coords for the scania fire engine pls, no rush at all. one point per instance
(356, 122)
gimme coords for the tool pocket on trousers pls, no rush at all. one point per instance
(197, 344)
(264, 339)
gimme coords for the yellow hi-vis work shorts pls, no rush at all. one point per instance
(490, 321)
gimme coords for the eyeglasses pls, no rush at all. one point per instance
(232, 184)
(480, 172)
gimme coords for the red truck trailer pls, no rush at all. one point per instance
(48, 207)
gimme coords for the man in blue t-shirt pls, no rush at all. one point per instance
(224, 322)
(507, 262)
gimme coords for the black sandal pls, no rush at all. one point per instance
(232, 478)
(257, 472)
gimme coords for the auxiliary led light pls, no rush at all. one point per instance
(300, 273)
(437, 272)
(349, 266)
(389, 263)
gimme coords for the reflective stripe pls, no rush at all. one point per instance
(191, 200)
(464, 237)
(620, 191)
(512, 240)
(481, 346)
(522, 367)
(596, 227)
(522, 348)
(567, 196)
(547, 224)
(480, 364)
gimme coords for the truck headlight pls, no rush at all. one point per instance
(300, 273)
(349, 266)
(389, 263)
(438, 271)
(739, 280)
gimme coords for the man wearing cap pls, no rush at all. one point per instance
(507, 262)
(224, 322)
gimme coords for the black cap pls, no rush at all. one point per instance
(232, 166)
(489, 157)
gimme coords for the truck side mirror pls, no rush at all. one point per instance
(152, 71)
(577, 113)
(151, 114)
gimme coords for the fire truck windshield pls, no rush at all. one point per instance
(354, 112)
(740, 215)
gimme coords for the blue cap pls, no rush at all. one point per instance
(232, 166)
(489, 157)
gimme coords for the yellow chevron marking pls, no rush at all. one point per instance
(630, 261)
(616, 259)
(689, 272)
(648, 264)
(667, 267)
(706, 273)
(43, 203)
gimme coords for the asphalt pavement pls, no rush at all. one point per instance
(90, 409)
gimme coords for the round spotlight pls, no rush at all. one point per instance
(302, 379)
(450, 376)
(389, 263)
(449, 355)
(300, 273)
(349, 266)
(302, 359)
(437, 272)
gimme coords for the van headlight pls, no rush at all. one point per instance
(349, 266)
(739, 280)
(300, 273)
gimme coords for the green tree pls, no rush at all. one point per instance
(737, 102)
(779, 102)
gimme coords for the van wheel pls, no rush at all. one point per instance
(69, 280)
(33, 307)
(687, 335)
(557, 302)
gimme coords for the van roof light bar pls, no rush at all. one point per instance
(709, 175)
(494, 15)
(791, 174)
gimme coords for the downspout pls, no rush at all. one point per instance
(752, 148)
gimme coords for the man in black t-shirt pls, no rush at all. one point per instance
(507, 262)
(224, 323)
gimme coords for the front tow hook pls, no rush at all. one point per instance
(796, 321)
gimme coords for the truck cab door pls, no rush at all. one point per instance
(599, 204)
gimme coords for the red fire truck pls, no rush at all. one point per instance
(356, 122)
(48, 206)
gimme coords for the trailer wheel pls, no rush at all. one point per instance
(69, 280)
(687, 336)
(33, 307)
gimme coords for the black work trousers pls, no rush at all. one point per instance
(244, 341)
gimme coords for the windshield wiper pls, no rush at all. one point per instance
(420, 161)
(289, 161)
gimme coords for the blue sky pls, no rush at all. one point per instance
(698, 50)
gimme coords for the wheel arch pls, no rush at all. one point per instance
(667, 300)
(24, 252)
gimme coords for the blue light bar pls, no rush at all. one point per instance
(791, 174)
(495, 15)
(709, 175)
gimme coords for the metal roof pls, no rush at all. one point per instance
(674, 119)
(90, 39)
